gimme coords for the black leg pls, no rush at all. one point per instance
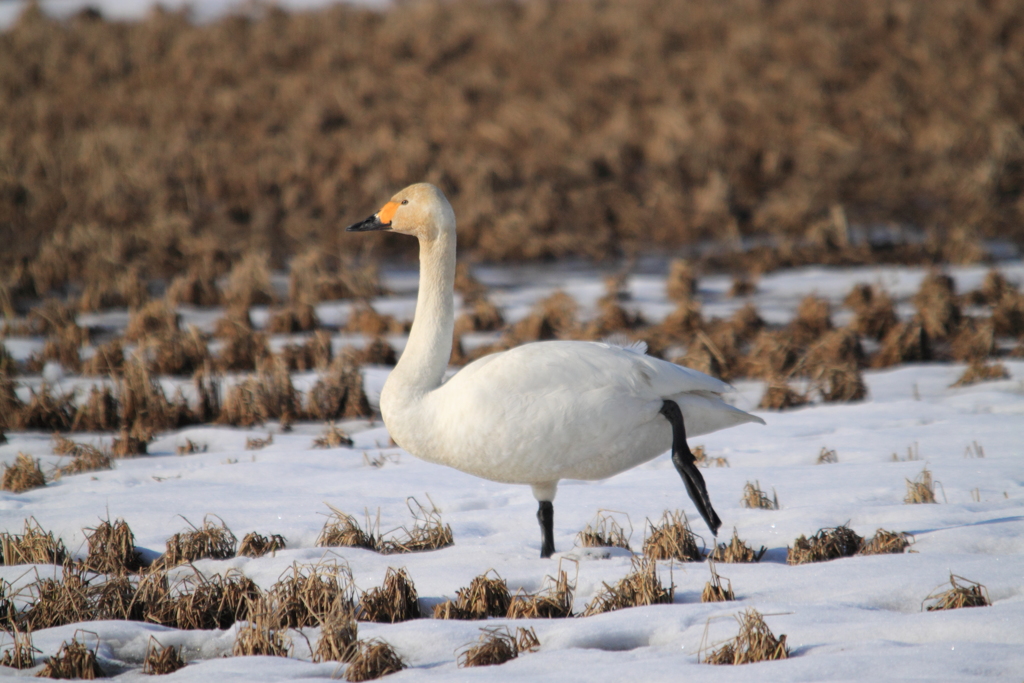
(685, 464)
(546, 517)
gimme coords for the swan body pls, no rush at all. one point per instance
(542, 411)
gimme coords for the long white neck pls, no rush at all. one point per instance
(426, 355)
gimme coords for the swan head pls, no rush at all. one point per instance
(420, 210)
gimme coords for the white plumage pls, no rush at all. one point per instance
(536, 413)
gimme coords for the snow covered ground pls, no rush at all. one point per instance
(855, 618)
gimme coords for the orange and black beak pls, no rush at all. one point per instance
(378, 221)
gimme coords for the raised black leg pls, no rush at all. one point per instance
(546, 517)
(685, 464)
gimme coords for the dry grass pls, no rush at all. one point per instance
(32, 546)
(24, 475)
(827, 456)
(827, 544)
(497, 646)
(813, 319)
(309, 595)
(372, 659)
(45, 411)
(874, 311)
(332, 438)
(338, 634)
(127, 445)
(886, 542)
(1008, 315)
(155, 319)
(640, 587)
(22, 653)
(179, 352)
(772, 355)
(979, 371)
(190, 447)
(396, 600)
(779, 395)
(258, 639)
(966, 594)
(736, 551)
(754, 497)
(257, 545)
(198, 602)
(906, 342)
(921, 489)
(339, 393)
(211, 540)
(715, 590)
(484, 597)
(100, 412)
(429, 532)
(72, 661)
(840, 382)
(671, 539)
(56, 602)
(681, 284)
(605, 532)
(553, 603)
(161, 660)
(936, 305)
(341, 530)
(313, 354)
(112, 548)
(552, 318)
(254, 443)
(973, 341)
(293, 318)
(754, 643)
(84, 458)
(267, 395)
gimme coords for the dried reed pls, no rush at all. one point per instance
(308, 595)
(72, 661)
(24, 475)
(921, 489)
(33, 546)
(827, 456)
(736, 551)
(161, 660)
(754, 643)
(339, 393)
(342, 530)
(671, 539)
(255, 638)
(553, 603)
(372, 659)
(604, 532)
(198, 602)
(112, 548)
(886, 542)
(22, 653)
(338, 634)
(714, 591)
(257, 545)
(428, 532)
(84, 458)
(640, 587)
(779, 395)
(484, 597)
(827, 544)
(497, 646)
(396, 600)
(754, 497)
(332, 438)
(254, 443)
(968, 594)
(979, 371)
(210, 540)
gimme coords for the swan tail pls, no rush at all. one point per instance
(686, 465)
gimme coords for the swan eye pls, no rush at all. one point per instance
(404, 202)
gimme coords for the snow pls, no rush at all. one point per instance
(855, 618)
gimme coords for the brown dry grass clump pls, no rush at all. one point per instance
(100, 412)
(372, 659)
(922, 489)
(197, 286)
(552, 318)
(827, 544)
(736, 551)
(936, 305)
(772, 355)
(498, 645)
(840, 383)
(429, 532)
(553, 603)
(72, 661)
(813, 319)
(338, 634)
(161, 660)
(671, 539)
(190, 447)
(32, 546)
(84, 458)
(155, 319)
(112, 548)
(45, 411)
(315, 353)
(482, 316)
(341, 530)
(267, 395)
(1008, 315)
(308, 595)
(332, 438)
(107, 359)
(56, 602)
(22, 653)
(827, 456)
(24, 475)
(640, 587)
(211, 540)
(968, 594)
(249, 282)
(484, 597)
(180, 352)
(339, 393)
(906, 342)
(974, 341)
(779, 395)
(754, 497)
(63, 346)
(254, 443)
(293, 318)
(681, 283)
(127, 445)
(198, 602)
(979, 371)
(257, 545)
(886, 542)
(396, 600)
(604, 532)
(874, 311)
(714, 590)
(364, 319)
(754, 643)
(256, 638)
(316, 276)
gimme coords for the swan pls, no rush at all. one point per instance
(542, 411)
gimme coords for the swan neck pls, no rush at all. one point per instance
(426, 355)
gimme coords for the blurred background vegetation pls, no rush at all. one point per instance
(781, 132)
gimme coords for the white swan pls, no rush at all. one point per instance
(542, 411)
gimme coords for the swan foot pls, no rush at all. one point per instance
(685, 463)
(546, 517)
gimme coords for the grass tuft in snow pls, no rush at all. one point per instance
(429, 532)
(498, 645)
(161, 660)
(553, 603)
(112, 548)
(332, 438)
(827, 544)
(886, 542)
(307, 595)
(754, 643)
(56, 602)
(254, 443)
(484, 597)
(396, 600)
(128, 445)
(198, 602)
(73, 660)
(827, 456)
(780, 395)
(754, 497)
(190, 447)
(736, 551)
(22, 653)
(966, 594)
(342, 530)
(640, 587)
(211, 540)
(980, 371)
(714, 590)
(259, 638)
(373, 659)
(84, 458)
(671, 539)
(257, 545)
(605, 532)
(921, 489)
(32, 546)
(24, 475)
(338, 633)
